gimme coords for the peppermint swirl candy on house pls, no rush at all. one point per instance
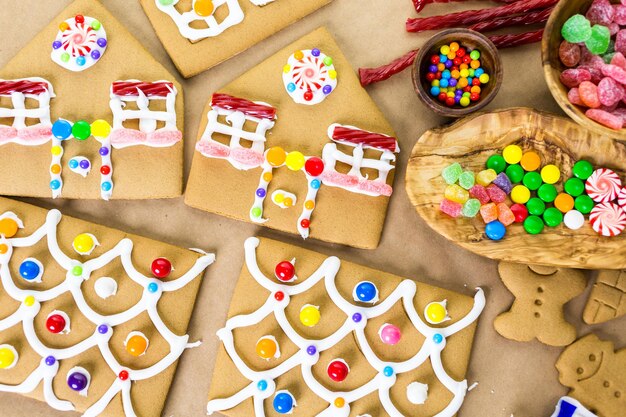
(608, 219)
(309, 76)
(603, 185)
(79, 44)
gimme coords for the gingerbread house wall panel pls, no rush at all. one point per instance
(139, 171)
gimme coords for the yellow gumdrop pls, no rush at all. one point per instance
(276, 156)
(7, 357)
(310, 315)
(436, 312)
(266, 348)
(456, 193)
(203, 8)
(100, 128)
(520, 194)
(295, 161)
(83, 243)
(288, 202)
(486, 177)
(279, 198)
(8, 227)
(550, 174)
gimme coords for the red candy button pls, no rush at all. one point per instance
(314, 166)
(123, 375)
(161, 267)
(55, 323)
(285, 271)
(338, 370)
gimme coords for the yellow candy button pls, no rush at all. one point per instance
(512, 154)
(339, 402)
(55, 169)
(309, 204)
(276, 156)
(295, 161)
(310, 315)
(550, 174)
(100, 128)
(279, 198)
(56, 150)
(286, 68)
(520, 194)
(436, 312)
(3, 248)
(29, 301)
(8, 356)
(8, 227)
(203, 8)
(84, 243)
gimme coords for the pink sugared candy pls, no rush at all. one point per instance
(489, 212)
(620, 14)
(589, 94)
(505, 215)
(569, 53)
(480, 193)
(390, 334)
(450, 208)
(601, 12)
(615, 72)
(605, 118)
(619, 60)
(610, 92)
(621, 113)
(620, 42)
(574, 76)
(574, 97)
(496, 194)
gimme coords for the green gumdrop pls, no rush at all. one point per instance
(471, 208)
(608, 57)
(466, 180)
(451, 173)
(598, 43)
(576, 29)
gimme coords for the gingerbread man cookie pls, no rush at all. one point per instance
(595, 374)
(537, 312)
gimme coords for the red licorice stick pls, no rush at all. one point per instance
(129, 88)
(531, 18)
(471, 17)
(345, 134)
(420, 4)
(247, 107)
(373, 75)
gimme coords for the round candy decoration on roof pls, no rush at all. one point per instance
(284, 402)
(79, 44)
(78, 379)
(161, 267)
(417, 393)
(436, 312)
(136, 343)
(85, 243)
(80, 165)
(31, 270)
(267, 348)
(309, 76)
(8, 357)
(608, 219)
(389, 334)
(310, 315)
(10, 224)
(603, 185)
(285, 271)
(365, 292)
(58, 322)
(105, 287)
(338, 370)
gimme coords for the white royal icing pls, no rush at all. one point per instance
(26, 315)
(382, 384)
(105, 287)
(417, 393)
(79, 40)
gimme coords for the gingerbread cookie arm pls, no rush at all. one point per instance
(514, 277)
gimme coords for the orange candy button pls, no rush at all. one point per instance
(137, 345)
(564, 202)
(276, 156)
(8, 227)
(530, 161)
(3, 248)
(203, 8)
(266, 348)
(55, 169)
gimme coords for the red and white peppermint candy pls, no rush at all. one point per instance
(608, 219)
(603, 185)
(621, 198)
(80, 39)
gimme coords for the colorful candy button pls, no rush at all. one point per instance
(532, 180)
(276, 156)
(58, 322)
(314, 166)
(267, 348)
(574, 187)
(564, 202)
(285, 271)
(203, 8)
(136, 343)
(515, 173)
(584, 204)
(520, 194)
(85, 243)
(338, 370)
(284, 402)
(310, 315)
(533, 225)
(31, 270)
(61, 129)
(582, 169)
(8, 357)
(512, 154)
(495, 230)
(8, 227)
(78, 379)
(553, 217)
(574, 220)
(497, 163)
(295, 160)
(81, 130)
(436, 312)
(547, 192)
(520, 211)
(536, 206)
(161, 267)
(530, 161)
(550, 174)
(365, 292)
(389, 334)
(100, 128)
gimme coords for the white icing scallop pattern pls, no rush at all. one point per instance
(262, 383)
(77, 273)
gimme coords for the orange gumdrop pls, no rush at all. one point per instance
(8, 227)
(266, 348)
(203, 8)
(137, 345)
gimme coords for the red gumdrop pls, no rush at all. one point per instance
(620, 14)
(569, 53)
(615, 72)
(314, 166)
(161, 267)
(601, 12)
(620, 41)
(573, 77)
(621, 113)
(605, 118)
(610, 92)
(451, 208)
(480, 193)
(589, 94)
(520, 211)
(496, 194)
(55, 323)
(619, 60)
(338, 371)
(285, 271)
(574, 97)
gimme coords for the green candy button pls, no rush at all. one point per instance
(515, 173)
(584, 204)
(536, 206)
(574, 187)
(547, 192)
(553, 217)
(532, 180)
(582, 169)
(533, 225)
(81, 130)
(497, 163)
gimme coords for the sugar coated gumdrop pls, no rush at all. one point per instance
(505, 215)
(285, 271)
(601, 12)
(610, 92)
(605, 118)
(573, 77)
(495, 193)
(310, 315)
(436, 312)
(598, 43)
(450, 208)
(495, 230)
(451, 173)
(466, 180)
(576, 29)
(267, 348)
(480, 193)
(569, 54)
(338, 370)
(365, 292)
(486, 177)
(284, 402)
(8, 356)
(503, 182)
(456, 193)
(85, 243)
(389, 334)
(471, 208)
(589, 94)
(136, 343)
(161, 267)
(573, 95)
(57, 322)
(489, 212)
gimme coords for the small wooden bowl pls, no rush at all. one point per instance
(552, 66)
(489, 58)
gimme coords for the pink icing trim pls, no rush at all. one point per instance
(159, 138)
(351, 181)
(244, 156)
(31, 135)
(7, 133)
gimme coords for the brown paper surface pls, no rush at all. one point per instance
(174, 307)
(138, 171)
(514, 378)
(192, 58)
(249, 296)
(340, 216)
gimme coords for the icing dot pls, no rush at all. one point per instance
(438, 338)
(84, 243)
(55, 184)
(279, 296)
(314, 166)
(80, 61)
(309, 204)
(61, 129)
(267, 348)
(55, 169)
(256, 212)
(56, 44)
(161, 267)
(356, 317)
(338, 370)
(50, 360)
(327, 89)
(8, 356)
(390, 334)
(81, 130)
(305, 223)
(311, 350)
(123, 375)
(56, 323)
(31, 269)
(78, 381)
(315, 52)
(77, 270)
(103, 329)
(136, 343)
(315, 184)
(102, 42)
(153, 287)
(310, 315)
(291, 87)
(105, 170)
(3, 248)
(95, 54)
(262, 385)
(295, 160)
(339, 402)
(104, 151)
(366, 292)
(29, 301)
(260, 192)
(285, 271)
(106, 186)
(267, 176)
(56, 150)
(388, 371)
(283, 402)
